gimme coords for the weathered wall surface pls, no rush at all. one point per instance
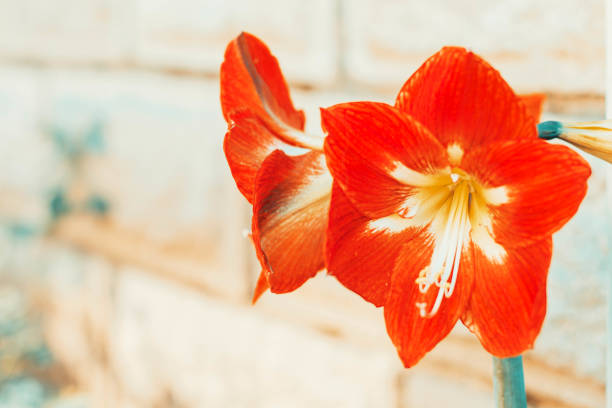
(168, 274)
(544, 46)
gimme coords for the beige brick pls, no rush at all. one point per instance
(426, 389)
(556, 46)
(26, 173)
(163, 166)
(219, 355)
(13, 31)
(64, 30)
(193, 34)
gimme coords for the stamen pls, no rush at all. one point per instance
(447, 252)
(455, 208)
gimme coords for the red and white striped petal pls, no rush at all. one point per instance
(247, 143)
(251, 78)
(257, 107)
(508, 302)
(361, 252)
(379, 155)
(532, 188)
(412, 334)
(290, 213)
(464, 101)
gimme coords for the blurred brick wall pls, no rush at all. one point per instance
(553, 46)
(148, 71)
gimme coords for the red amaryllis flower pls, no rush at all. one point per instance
(279, 168)
(444, 204)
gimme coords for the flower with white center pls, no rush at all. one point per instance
(444, 205)
(278, 167)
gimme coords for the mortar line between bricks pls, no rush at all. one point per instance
(118, 66)
(556, 100)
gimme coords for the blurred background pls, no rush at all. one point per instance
(125, 277)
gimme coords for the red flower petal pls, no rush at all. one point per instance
(258, 109)
(533, 103)
(261, 287)
(508, 301)
(247, 143)
(461, 99)
(251, 78)
(544, 184)
(412, 334)
(290, 213)
(361, 252)
(377, 153)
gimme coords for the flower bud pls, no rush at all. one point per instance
(592, 137)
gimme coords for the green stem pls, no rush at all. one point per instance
(509, 383)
